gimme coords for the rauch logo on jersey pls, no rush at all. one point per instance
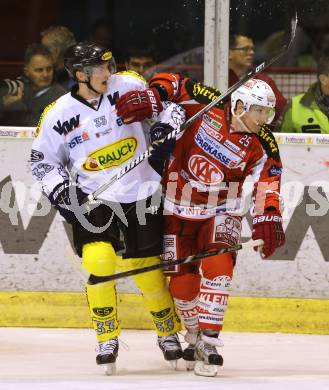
(111, 155)
(204, 170)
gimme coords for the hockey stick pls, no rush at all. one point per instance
(264, 65)
(184, 260)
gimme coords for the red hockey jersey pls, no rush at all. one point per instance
(211, 161)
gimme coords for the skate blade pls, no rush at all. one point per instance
(190, 365)
(203, 369)
(173, 364)
(109, 368)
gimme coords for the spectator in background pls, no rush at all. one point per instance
(317, 31)
(309, 112)
(141, 60)
(57, 39)
(34, 92)
(101, 33)
(241, 59)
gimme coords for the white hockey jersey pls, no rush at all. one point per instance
(92, 144)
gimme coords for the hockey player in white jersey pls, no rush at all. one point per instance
(80, 144)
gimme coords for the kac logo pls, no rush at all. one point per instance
(204, 170)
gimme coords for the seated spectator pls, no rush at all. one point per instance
(34, 91)
(57, 39)
(241, 58)
(309, 112)
(140, 60)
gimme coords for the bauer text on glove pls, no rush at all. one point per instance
(135, 106)
(268, 227)
(60, 197)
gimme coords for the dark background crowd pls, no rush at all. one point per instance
(149, 36)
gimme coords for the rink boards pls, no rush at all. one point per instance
(41, 286)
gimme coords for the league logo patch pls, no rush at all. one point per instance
(274, 171)
(101, 133)
(227, 230)
(40, 171)
(36, 155)
(161, 314)
(100, 121)
(103, 311)
(170, 253)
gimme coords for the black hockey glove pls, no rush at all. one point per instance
(162, 149)
(60, 199)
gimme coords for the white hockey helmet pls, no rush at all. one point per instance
(254, 92)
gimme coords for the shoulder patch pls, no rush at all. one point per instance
(44, 112)
(269, 143)
(133, 74)
(202, 93)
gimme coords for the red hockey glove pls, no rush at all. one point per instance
(268, 227)
(135, 106)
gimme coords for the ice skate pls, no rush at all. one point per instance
(107, 355)
(207, 357)
(189, 351)
(171, 349)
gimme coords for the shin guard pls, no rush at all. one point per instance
(213, 301)
(157, 297)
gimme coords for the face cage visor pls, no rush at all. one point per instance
(98, 69)
(270, 112)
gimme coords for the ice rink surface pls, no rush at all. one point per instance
(52, 359)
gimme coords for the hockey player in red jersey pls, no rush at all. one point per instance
(203, 183)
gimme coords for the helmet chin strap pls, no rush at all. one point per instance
(90, 86)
